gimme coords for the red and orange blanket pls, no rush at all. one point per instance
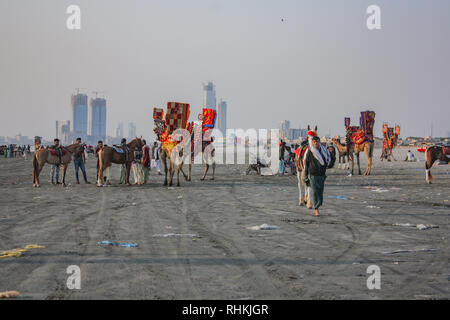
(359, 134)
(176, 118)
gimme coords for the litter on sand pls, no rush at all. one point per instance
(18, 252)
(169, 235)
(266, 172)
(373, 207)
(407, 251)
(338, 197)
(264, 226)
(418, 226)
(118, 244)
(9, 294)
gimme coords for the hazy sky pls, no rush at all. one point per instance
(317, 66)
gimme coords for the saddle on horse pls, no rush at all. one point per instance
(58, 152)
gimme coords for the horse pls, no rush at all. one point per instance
(108, 155)
(441, 153)
(300, 154)
(42, 156)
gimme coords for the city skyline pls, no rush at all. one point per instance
(311, 64)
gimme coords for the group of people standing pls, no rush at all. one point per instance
(141, 162)
(11, 151)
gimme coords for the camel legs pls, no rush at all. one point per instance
(359, 167)
(214, 170)
(205, 172)
(171, 172)
(368, 151)
(186, 177)
(189, 172)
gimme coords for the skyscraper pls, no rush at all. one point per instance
(131, 131)
(119, 130)
(63, 131)
(79, 115)
(222, 117)
(209, 95)
(97, 123)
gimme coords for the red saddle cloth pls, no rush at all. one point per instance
(55, 153)
(446, 150)
(300, 152)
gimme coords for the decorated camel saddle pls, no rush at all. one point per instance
(390, 136)
(201, 131)
(176, 118)
(364, 132)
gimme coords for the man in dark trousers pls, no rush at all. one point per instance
(316, 162)
(79, 159)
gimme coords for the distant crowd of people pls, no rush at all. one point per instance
(12, 150)
(141, 162)
(287, 158)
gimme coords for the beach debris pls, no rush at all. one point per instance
(9, 294)
(180, 197)
(373, 207)
(266, 172)
(338, 197)
(408, 251)
(264, 226)
(18, 252)
(170, 235)
(418, 226)
(426, 226)
(118, 244)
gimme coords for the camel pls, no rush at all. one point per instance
(300, 165)
(108, 155)
(366, 146)
(172, 152)
(208, 153)
(343, 152)
(441, 153)
(42, 156)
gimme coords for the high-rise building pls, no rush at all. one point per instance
(79, 115)
(209, 95)
(131, 131)
(119, 130)
(63, 131)
(222, 117)
(97, 123)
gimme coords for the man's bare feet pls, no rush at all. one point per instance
(316, 212)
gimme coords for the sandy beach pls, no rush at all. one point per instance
(196, 241)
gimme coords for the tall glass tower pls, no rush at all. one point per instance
(209, 95)
(79, 122)
(97, 124)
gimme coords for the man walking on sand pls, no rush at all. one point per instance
(317, 160)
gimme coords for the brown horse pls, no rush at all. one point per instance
(441, 153)
(42, 156)
(108, 155)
